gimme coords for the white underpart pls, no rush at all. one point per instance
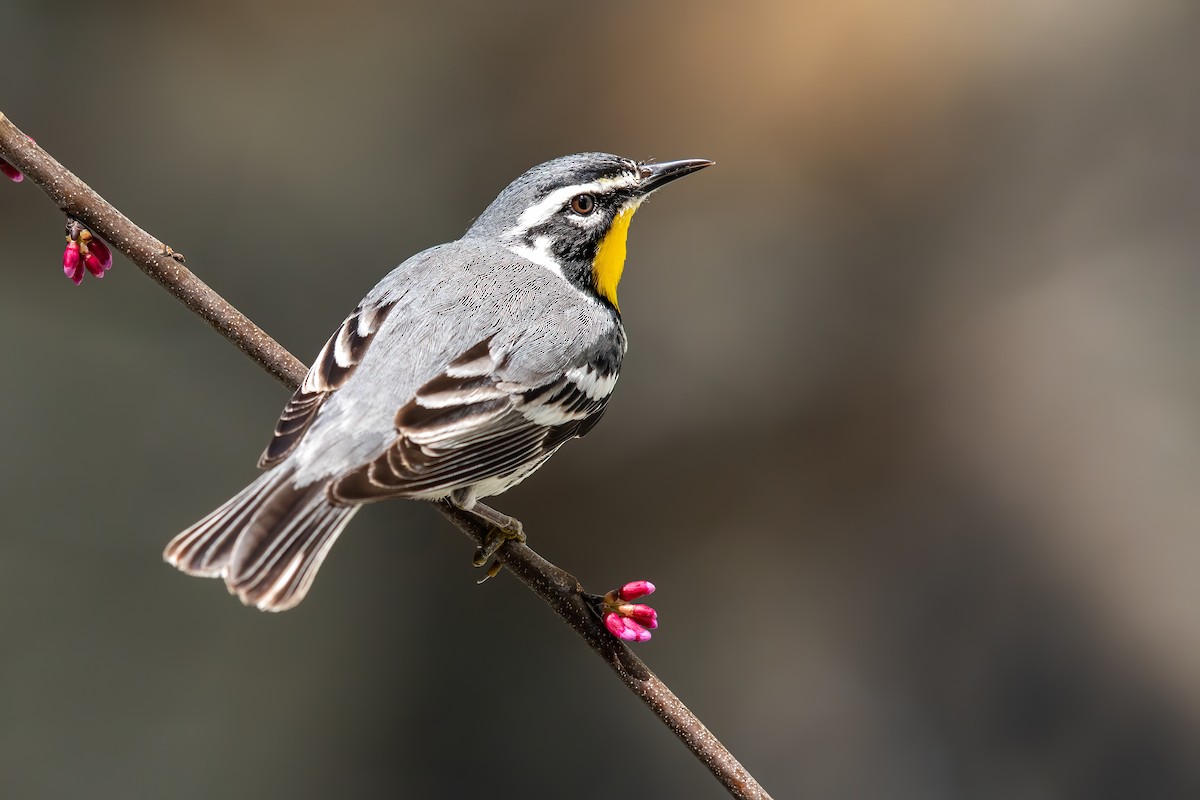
(539, 254)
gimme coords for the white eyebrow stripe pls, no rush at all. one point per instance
(548, 206)
(551, 203)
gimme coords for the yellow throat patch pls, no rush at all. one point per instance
(610, 256)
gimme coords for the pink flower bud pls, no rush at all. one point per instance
(643, 615)
(635, 589)
(103, 254)
(92, 262)
(12, 172)
(625, 629)
(73, 263)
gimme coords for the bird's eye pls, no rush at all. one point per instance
(583, 204)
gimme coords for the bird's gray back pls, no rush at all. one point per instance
(444, 301)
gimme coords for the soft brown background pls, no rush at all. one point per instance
(907, 434)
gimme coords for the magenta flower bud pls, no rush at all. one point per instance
(643, 615)
(635, 589)
(625, 629)
(12, 172)
(92, 262)
(630, 622)
(103, 254)
(73, 263)
(615, 624)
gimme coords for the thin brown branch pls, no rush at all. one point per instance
(557, 587)
(150, 255)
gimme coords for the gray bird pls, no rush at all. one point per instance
(455, 378)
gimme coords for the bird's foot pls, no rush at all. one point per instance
(497, 536)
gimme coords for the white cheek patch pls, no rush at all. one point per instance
(539, 254)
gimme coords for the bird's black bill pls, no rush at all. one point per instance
(655, 176)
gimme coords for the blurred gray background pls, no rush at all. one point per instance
(907, 434)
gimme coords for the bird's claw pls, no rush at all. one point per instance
(496, 537)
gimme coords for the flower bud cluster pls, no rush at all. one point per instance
(626, 620)
(84, 251)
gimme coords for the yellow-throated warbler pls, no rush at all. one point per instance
(455, 378)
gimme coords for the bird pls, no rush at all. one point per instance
(455, 378)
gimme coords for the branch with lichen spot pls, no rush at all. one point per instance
(561, 590)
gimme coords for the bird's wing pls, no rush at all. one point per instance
(473, 422)
(336, 362)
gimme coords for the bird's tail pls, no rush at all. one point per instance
(267, 542)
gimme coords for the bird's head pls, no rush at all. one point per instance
(571, 215)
